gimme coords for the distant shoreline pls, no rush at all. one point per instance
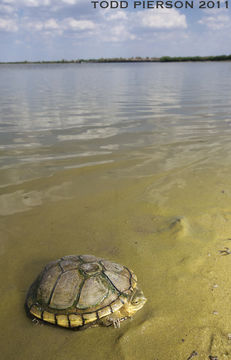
(137, 59)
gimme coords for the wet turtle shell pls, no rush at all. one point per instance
(79, 289)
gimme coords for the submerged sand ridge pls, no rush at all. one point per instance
(169, 235)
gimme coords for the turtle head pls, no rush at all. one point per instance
(136, 302)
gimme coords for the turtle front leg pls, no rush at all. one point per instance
(113, 319)
(116, 323)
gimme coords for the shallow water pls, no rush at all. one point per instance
(130, 162)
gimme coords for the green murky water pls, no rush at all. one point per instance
(134, 168)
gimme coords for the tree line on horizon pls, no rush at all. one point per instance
(130, 59)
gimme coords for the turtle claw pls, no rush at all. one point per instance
(116, 323)
(36, 321)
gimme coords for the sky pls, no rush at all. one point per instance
(78, 29)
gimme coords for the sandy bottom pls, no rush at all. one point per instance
(167, 225)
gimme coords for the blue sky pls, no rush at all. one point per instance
(71, 29)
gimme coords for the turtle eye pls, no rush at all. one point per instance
(136, 301)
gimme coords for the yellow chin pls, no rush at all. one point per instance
(131, 309)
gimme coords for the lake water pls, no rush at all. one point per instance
(131, 162)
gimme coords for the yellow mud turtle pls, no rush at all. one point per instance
(83, 290)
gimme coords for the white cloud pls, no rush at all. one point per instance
(8, 25)
(124, 26)
(216, 22)
(161, 19)
(119, 15)
(117, 33)
(35, 3)
(158, 19)
(58, 27)
(73, 24)
(35, 25)
(70, 2)
(51, 24)
(115, 26)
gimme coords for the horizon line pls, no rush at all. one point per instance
(127, 59)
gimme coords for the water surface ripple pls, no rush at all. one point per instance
(53, 112)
